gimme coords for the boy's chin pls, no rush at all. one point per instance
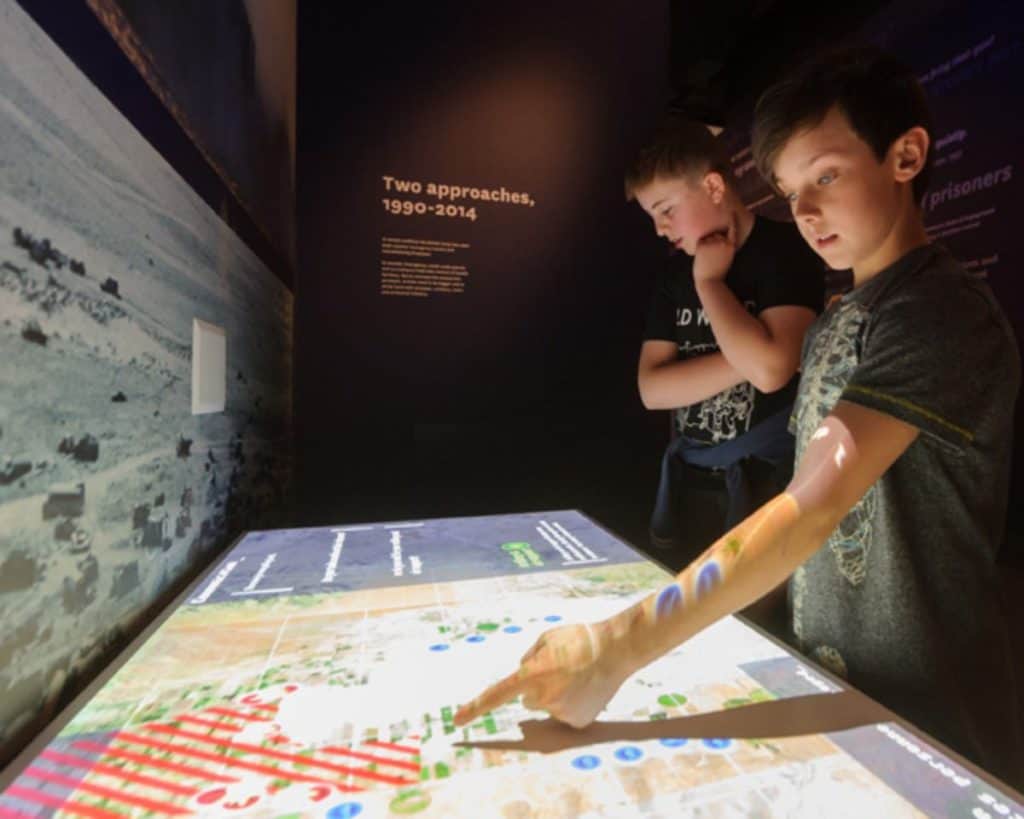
(835, 259)
(838, 264)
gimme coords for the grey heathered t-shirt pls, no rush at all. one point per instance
(903, 597)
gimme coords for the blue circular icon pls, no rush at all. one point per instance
(717, 743)
(587, 762)
(346, 810)
(438, 647)
(669, 599)
(629, 753)
(553, 618)
(475, 638)
(673, 742)
(709, 576)
(512, 629)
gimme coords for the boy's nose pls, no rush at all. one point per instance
(806, 209)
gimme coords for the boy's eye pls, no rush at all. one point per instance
(790, 197)
(825, 179)
(668, 211)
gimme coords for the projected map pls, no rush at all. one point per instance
(315, 672)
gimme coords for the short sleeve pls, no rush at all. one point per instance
(937, 359)
(797, 275)
(661, 316)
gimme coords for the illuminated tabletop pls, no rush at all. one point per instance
(314, 672)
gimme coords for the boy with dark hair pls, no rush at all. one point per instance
(723, 338)
(903, 422)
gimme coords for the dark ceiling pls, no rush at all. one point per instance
(725, 52)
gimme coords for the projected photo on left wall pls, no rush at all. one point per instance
(110, 488)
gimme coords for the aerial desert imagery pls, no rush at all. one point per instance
(109, 487)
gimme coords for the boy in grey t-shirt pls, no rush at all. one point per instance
(903, 420)
(903, 600)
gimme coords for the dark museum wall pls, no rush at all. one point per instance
(473, 284)
(111, 491)
(243, 52)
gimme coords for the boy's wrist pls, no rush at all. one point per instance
(625, 640)
(708, 285)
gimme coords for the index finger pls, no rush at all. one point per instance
(498, 694)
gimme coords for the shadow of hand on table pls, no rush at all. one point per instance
(793, 716)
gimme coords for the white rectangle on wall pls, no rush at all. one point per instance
(209, 367)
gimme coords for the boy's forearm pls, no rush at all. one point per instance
(747, 562)
(845, 456)
(743, 338)
(682, 383)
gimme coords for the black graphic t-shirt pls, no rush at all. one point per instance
(774, 267)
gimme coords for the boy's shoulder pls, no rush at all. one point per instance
(930, 282)
(934, 317)
(927, 343)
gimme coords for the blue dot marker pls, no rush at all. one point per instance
(475, 638)
(439, 647)
(512, 629)
(587, 762)
(673, 742)
(710, 575)
(553, 618)
(346, 810)
(717, 743)
(669, 599)
(629, 753)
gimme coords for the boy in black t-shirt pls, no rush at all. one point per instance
(723, 338)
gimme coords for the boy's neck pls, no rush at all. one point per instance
(907, 234)
(743, 219)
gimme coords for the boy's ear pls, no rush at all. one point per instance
(714, 186)
(909, 153)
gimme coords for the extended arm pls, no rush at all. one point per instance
(666, 382)
(573, 671)
(849, 452)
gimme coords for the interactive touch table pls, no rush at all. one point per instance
(314, 672)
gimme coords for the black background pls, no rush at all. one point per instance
(520, 393)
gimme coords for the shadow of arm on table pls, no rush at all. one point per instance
(794, 716)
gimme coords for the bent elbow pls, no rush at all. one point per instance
(645, 388)
(773, 378)
(765, 382)
(770, 382)
(646, 398)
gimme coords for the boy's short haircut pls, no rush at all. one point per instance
(680, 147)
(879, 95)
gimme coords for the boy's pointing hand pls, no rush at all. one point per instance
(568, 673)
